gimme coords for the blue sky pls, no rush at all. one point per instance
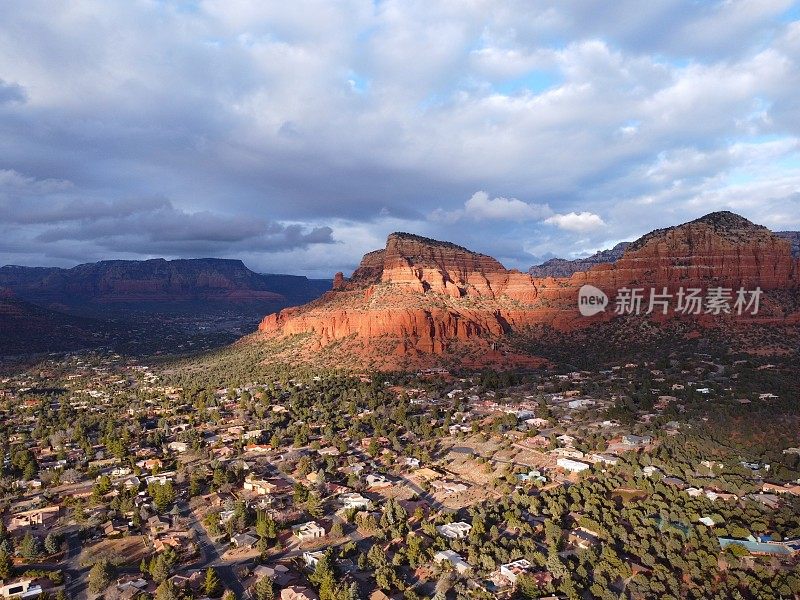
(296, 136)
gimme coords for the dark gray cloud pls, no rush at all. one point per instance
(269, 130)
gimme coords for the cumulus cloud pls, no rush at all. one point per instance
(581, 222)
(480, 207)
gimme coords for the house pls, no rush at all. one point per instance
(758, 548)
(376, 480)
(411, 462)
(456, 429)
(449, 487)
(355, 500)
(298, 592)
(566, 440)
(114, 530)
(567, 452)
(573, 466)
(244, 540)
(776, 488)
(258, 486)
(280, 574)
(32, 518)
(769, 500)
(650, 470)
(22, 588)
(132, 483)
(311, 559)
(675, 482)
(455, 559)
(636, 440)
(513, 570)
(707, 521)
(454, 531)
(582, 538)
(309, 531)
(580, 403)
(178, 447)
(157, 525)
(607, 459)
(532, 475)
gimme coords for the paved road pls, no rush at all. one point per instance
(212, 556)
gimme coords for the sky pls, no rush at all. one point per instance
(297, 135)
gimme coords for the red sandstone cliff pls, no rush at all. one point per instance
(422, 297)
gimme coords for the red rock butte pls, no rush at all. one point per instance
(420, 296)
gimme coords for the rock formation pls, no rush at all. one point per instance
(420, 297)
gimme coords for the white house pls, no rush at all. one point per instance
(309, 531)
(650, 470)
(21, 588)
(376, 480)
(455, 559)
(311, 559)
(513, 570)
(574, 466)
(258, 486)
(454, 531)
(608, 459)
(355, 500)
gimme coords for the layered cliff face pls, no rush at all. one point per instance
(421, 298)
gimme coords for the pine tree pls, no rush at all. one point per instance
(212, 586)
(264, 589)
(6, 567)
(166, 591)
(51, 543)
(353, 592)
(99, 577)
(159, 569)
(29, 547)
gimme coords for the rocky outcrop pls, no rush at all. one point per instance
(423, 297)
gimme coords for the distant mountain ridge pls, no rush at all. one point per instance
(157, 281)
(562, 267)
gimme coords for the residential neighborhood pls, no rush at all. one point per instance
(122, 481)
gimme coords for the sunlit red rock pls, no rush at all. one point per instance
(423, 297)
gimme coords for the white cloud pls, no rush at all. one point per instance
(581, 222)
(481, 207)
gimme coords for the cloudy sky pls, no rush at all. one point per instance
(297, 135)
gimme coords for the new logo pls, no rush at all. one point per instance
(591, 300)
